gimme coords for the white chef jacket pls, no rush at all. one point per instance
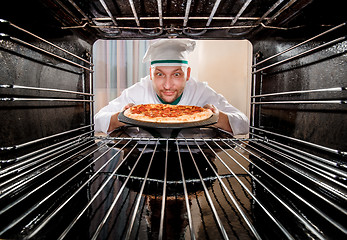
(194, 94)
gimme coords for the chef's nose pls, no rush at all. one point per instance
(168, 83)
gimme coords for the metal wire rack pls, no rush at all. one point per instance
(113, 23)
(201, 187)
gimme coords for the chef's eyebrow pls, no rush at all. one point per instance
(178, 69)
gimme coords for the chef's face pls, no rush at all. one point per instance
(169, 81)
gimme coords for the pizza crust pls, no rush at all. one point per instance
(201, 115)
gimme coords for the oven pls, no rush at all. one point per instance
(61, 180)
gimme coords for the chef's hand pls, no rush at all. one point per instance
(128, 106)
(114, 123)
(212, 108)
(223, 120)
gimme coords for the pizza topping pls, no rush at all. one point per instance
(167, 113)
(164, 110)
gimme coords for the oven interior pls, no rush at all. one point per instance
(60, 180)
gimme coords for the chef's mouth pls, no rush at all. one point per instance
(168, 93)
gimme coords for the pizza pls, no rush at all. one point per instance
(165, 113)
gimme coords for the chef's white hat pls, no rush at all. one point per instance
(169, 52)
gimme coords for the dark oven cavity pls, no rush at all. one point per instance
(61, 180)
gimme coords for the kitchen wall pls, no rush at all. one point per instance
(117, 65)
(226, 66)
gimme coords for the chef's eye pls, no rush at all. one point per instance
(177, 74)
(159, 74)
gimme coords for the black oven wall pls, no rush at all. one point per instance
(302, 67)
(38, 79)
(320, 116)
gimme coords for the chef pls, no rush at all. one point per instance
(169, 82)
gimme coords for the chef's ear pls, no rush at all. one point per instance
(150, 73)
(188, 73)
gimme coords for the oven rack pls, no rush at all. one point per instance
(334, 171)
(334, 89)
(298, 45)
(168, 182)
(44, 89)
(317, 146)
(42, 140)
(301, 54)
(112, 21)
(8, 87)
(12, 86)
(245, 162)
(337, 40)
(42, 50)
